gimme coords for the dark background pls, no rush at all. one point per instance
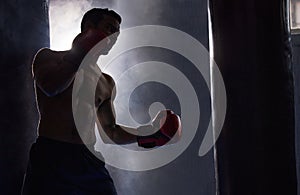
(256, 150)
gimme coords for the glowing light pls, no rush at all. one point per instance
(64, 19)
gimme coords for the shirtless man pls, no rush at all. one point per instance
(59, 161)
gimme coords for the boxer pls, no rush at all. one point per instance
(59, 161)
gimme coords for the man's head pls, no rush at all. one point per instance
(93, 17)
(105, 20)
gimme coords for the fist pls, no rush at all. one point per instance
(168, 126)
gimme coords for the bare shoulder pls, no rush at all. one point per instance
(44, 60)
(43, 54)
(46, 54)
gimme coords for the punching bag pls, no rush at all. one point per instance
(255, 151)
(24, 30)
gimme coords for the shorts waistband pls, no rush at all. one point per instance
(41, 140)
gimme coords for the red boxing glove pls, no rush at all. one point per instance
(169, 125)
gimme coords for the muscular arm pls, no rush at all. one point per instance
(55, 72)
(167, 123)
(52, 73)
(111, 132)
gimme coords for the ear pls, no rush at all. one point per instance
(88, 25)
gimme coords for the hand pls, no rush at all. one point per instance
(169, 127)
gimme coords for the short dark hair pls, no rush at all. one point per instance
(96, 14)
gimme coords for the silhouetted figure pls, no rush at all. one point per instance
(61, 161)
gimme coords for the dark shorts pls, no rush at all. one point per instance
(57, 167)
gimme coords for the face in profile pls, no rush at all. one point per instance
(110, 26)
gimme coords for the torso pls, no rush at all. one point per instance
(56, 114)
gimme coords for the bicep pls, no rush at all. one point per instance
(106, 119)
(106, 111)
(106, 114)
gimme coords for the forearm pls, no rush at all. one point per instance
(123, 135)
(72, 60)
(164, 128)
(54, 73)
(120, 134)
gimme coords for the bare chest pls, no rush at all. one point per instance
(92, 86)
